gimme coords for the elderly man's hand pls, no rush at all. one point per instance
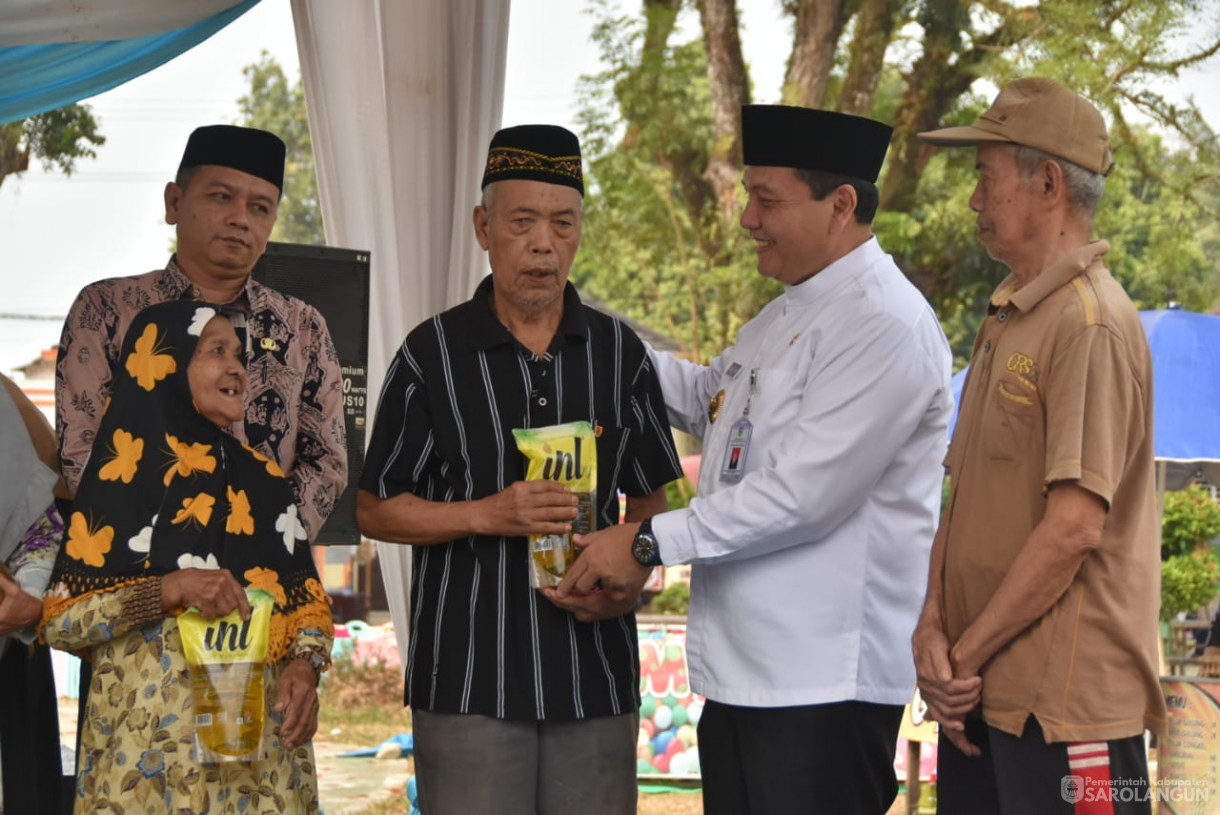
(19, 609)
(595, 605)
(215, 592)
(606, 561)
(296, 697)
(526, 508)
(949, 698)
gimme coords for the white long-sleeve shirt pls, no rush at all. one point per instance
(810, 572)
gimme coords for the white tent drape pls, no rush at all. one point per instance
(403, 99)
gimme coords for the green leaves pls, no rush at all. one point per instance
(57, 138)
(1190, 520)
(279, 107)
(1190, 570)
(655, 248)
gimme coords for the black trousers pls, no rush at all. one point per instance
(29, 731)
(835, 758)
(1023, 775)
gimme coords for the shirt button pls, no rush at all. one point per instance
(1003, 316)
(542, 401)
(987, 345)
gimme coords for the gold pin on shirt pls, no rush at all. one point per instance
(714, 405)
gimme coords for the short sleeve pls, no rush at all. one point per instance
(402, 432)
(1095, 412)
(653, 457)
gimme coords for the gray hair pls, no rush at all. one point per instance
(485, 200)
(1084, 187)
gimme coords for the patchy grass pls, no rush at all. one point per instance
(364, 704)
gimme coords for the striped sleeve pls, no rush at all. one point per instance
(402, 431)
(652, 460)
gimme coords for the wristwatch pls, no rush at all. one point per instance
(644, 546)
(315, 660)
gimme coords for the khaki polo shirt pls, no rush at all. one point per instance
(1060, 390)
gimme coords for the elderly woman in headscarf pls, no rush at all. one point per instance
(30, 531)
(172, 512)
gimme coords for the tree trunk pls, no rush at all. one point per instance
(726, 72)
(819, 23)
(875, 23)
(660, 17)
(944, 71)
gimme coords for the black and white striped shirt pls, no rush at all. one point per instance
(482, 641)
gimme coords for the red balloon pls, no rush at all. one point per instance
(661, 762)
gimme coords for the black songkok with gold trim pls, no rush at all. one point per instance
(545, 153)
(807, 139)
(257, 152)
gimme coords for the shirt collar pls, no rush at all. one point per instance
(487, 331)
(1062, 271)
(180, 286)
(836, 274)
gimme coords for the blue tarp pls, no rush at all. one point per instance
(37, 78)
(1186, 385)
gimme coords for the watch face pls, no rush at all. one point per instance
(644, 547)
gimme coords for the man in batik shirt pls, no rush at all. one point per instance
(223, 203)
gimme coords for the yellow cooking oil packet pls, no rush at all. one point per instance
(227, 659)
(567, 454)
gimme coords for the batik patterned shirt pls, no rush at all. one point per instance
(294, 411)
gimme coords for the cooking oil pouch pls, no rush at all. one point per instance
(567, 454)
(227, 659)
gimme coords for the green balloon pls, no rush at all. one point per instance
(648, 706)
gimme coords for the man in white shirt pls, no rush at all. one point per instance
(823, 430)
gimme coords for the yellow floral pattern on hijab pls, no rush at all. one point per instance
(188, 458)
(122, 466)
(148, 364)
(197, 509)
(268, 580)
(89, 546)
(240, 521)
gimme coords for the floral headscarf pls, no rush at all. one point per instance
(167, 489)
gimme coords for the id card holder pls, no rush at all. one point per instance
(734, 466)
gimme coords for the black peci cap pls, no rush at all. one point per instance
(252, 151)
(536, 153)
(807, 139)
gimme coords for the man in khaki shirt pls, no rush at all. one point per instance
(1036, 648)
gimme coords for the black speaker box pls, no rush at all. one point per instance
(336, 283)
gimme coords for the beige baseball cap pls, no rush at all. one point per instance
(1039, 113)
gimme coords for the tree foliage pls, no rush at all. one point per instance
(1191, 518)
(58, 138)
(275, 105)
(661, 242)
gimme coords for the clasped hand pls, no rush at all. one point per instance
(950, 695)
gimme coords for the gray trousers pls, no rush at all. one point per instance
(470, 765)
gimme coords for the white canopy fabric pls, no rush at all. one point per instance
(403, 99)
(27, 22)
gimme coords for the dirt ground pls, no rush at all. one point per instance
(685, 803)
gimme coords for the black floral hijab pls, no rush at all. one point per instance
(167, 489)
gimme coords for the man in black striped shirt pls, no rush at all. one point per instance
(520, 705)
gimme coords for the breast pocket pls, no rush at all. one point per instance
(1013, 411)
